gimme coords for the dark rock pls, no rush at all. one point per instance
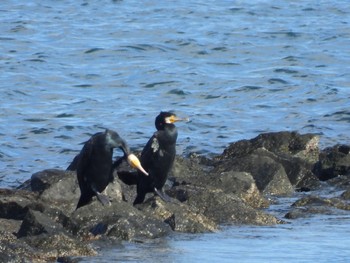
(269, 175)
(277, 161)
(10, 225)
(191, 172)
(57, 187)
(311, 205)
(16, 250)
(224, 208)
(59, 245)
(36, 223)
(180, 217)
(241, 184)
(333, 162)
(229, 189)
(346, 195)
(121, 219)
(292, 143)
(342, 181)
(14, 204)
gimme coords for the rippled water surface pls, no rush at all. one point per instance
(302, 241)
(236, 68)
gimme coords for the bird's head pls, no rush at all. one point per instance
(113, 140)
(166, 117)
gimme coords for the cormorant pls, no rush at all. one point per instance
(94, 165)
(157, 157)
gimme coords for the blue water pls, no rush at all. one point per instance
(300, 241)
(236, 68)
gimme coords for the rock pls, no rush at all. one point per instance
(180, 217)
(40, 223)
(241, 184)
(278, 161)
(311, 205)
(120, 220)
(16, 250)
(191, 171)
(223, 208)
(292, 143)
(36, 223)
(341, 181)
(57, 187)
(60, 245)
(333, 161)
(9, 225)
(14, 204)
(346, 195)
(269, 175)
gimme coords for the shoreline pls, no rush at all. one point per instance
(233, 188)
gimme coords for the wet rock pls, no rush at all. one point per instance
(241, 184)
(120, 220)
(36, 223)
(180, 217)
(333, 161)
(192, 172)
(225, 208)
(39, 222)
(60, 189)
(14, 204)
(342, 181)
(59, 245)
(292, 143)
(310, 205)
(269, 175)
(15, 250)
(279, 162)
(346, 195)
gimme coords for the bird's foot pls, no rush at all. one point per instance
(163, 195)
(104, 199)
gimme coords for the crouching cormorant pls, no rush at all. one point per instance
(157, 157)
(94, 165)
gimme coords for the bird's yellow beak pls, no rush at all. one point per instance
(174, 118)
(135, 163)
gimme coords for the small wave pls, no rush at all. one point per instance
(209, 97)
(277, 80)
(64, 115)
(41, 131)
(36, 60)
(340, 116)
(152, 85)
(83, 86)
(249, 88)
(35, 119)
(179, 92)
(286, 70)
(92, 50)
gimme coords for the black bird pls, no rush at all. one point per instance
(94, 165)
(157, 157)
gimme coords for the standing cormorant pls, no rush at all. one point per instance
(94, 165)
(157, 157)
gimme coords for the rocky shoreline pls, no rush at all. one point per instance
(39, 222)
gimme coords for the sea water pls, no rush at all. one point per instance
(70, 69)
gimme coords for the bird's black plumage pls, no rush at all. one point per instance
(94, 165)
(157, 157)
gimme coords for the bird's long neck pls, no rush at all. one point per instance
(169, 134)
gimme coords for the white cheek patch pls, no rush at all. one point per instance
(168, 120)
